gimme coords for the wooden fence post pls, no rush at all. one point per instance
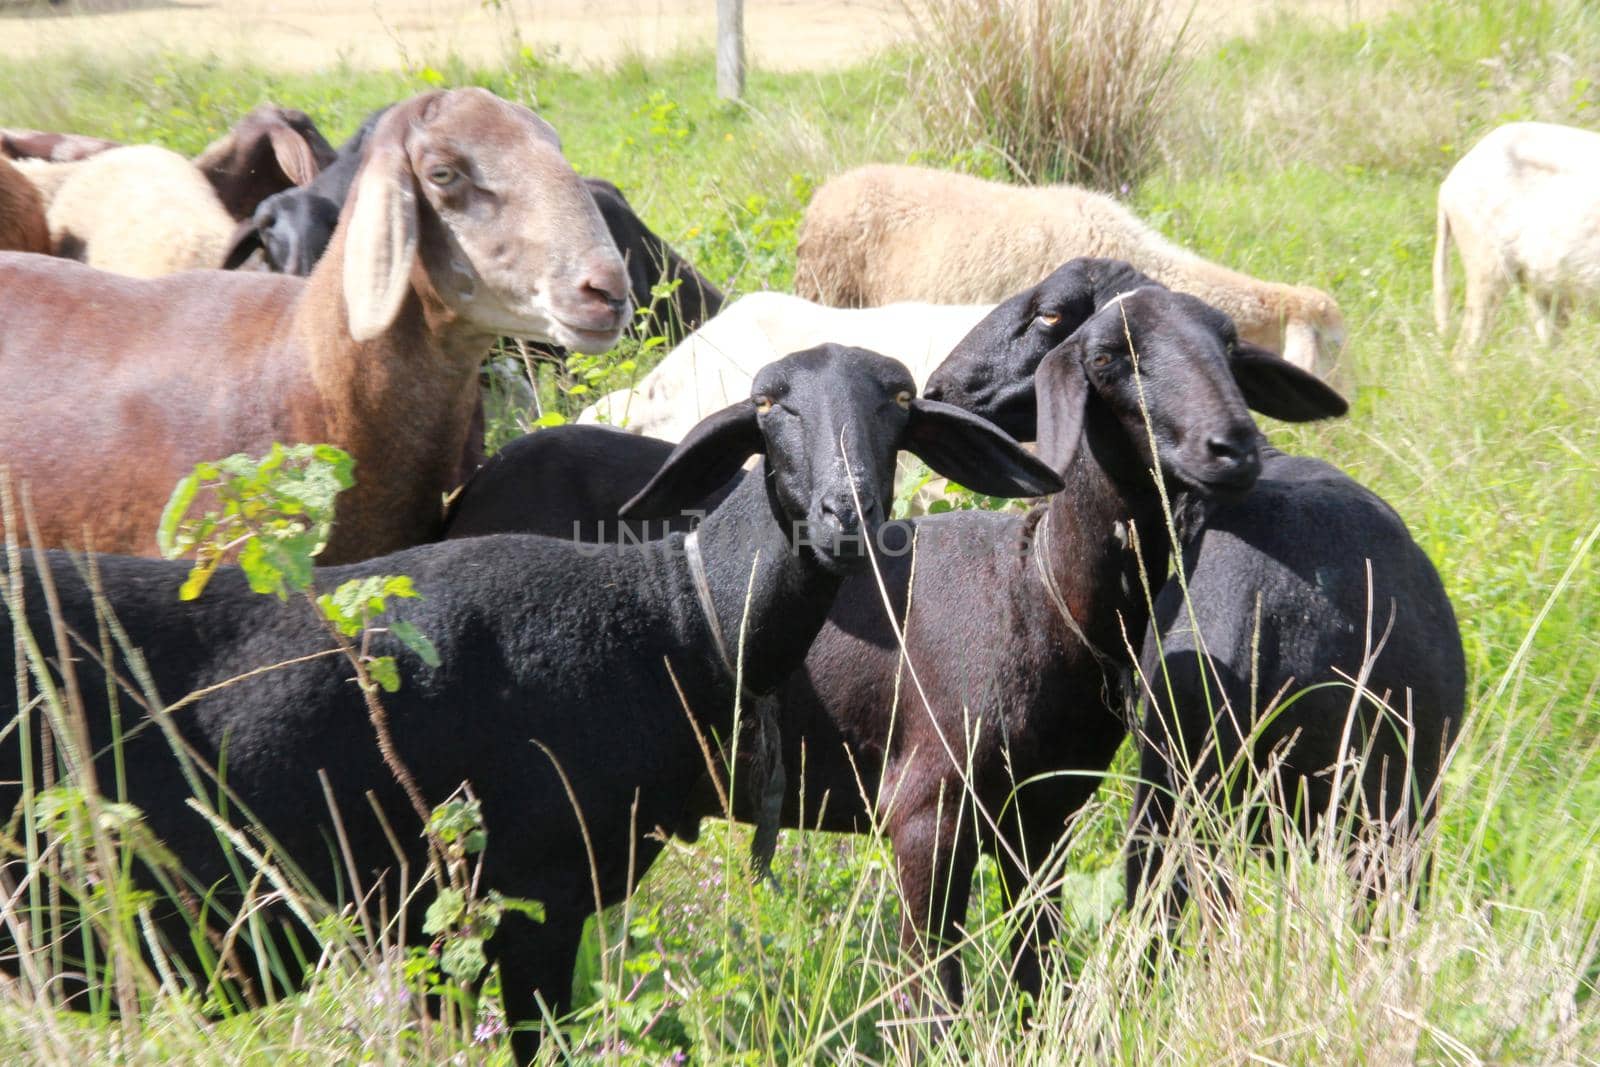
(730, 49)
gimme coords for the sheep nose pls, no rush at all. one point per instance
(605, 282)
(840, 507)
(1235, 450)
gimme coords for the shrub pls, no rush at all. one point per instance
(1061, 89)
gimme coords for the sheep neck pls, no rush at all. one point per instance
(1087, 546)
(400, 404)
(751, 558)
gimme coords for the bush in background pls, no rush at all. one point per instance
(1069, 90)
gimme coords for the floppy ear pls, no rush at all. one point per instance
(381, 243)
(1274, 386)
(246, 239)
(1061, 389)
(293, 154)
(974, 452)
(704, 460)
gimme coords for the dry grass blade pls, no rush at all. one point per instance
(1059, 89)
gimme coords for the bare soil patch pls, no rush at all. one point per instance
(316, 34)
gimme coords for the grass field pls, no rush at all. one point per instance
(1304, 154)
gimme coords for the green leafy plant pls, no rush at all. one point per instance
(354, 607)
(276, 512)
(461, 920)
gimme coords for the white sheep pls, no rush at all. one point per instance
(1524, 208)
(882, 233)
(713, 366)
(142, 211)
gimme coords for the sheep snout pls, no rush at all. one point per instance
(600, 300)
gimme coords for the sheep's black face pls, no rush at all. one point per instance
(833, 419)
(991, 371)
(1157, 365)
(829, 421)
(295, 228)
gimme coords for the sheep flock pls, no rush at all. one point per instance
(695, 598)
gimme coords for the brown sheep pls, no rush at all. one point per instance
(466, 223)
(53, 147)
(22, 225)
(269, 150)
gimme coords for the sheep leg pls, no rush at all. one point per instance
(1150, 827)
(1548, 312)
(934, 858)
(1484, 289)
(1185, 750)
(536, 960)
(1022, 862)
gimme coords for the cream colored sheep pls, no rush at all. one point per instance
(1524, 208)
(713, 366)
(883, 233)
(143, 211)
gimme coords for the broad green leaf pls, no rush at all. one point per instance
(384, 672)
(260, 570)
(177, 505)
(416, 641)
(399, 585)
(533, 909)
(463, 958)
(445, 913)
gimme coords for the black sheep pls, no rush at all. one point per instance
(552, 653)
(986, 630)
(1295, 550)
(1292, 589)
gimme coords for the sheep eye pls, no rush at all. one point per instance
(442, 175)
(763, 404)
(903, 398)
(1048, 318)
(1101, 361)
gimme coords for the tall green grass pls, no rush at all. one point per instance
(1304, 153)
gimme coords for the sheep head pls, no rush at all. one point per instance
(1161, 379)
(830, 421)
(468, 197)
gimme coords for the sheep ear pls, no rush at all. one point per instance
(293, 154)
(704, 460)
(1062, 391)
(974, 451)
(1274, 386)
(246, 239)
(381, 243)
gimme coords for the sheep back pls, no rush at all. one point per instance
(713, 366)
(1523, 206)
(885, 233)
(142, 211)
